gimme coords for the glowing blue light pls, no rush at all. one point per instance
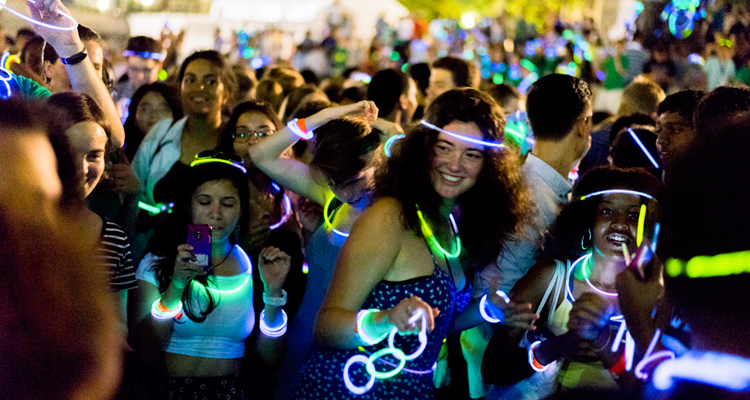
(266, 60)
(643, 148)
(256, 63)
(610, 191)
(600, 75)
(527, 82)
(462, 137)
(40, 23)
(515, 73)
(716, 369)
(143, 54)
(389, 143)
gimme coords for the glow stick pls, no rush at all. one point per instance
(287, 212)
(389, 143)
(432, 239)
(328, 222)
(710, 266)
(649, 358)
(641, 225)
(5, 79)
(40, 23)
(206, 160)
(276, 332)
(348, 382)
(143, 54)
(157, 208)
(629, 351)
(419, 314)
(725, 371)
(462, 137)
(586, 276)
(656, 236)
(610, 191)
(483, 308)
(618, 337)
(626, 254)
(643, 148)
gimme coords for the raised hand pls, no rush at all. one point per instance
(274, 266)
(65, 42)
(515, 315)
(399, 315)
(589, 316)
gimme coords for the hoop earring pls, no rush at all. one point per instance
(583, 239)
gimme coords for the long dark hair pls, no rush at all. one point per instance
(226, 74)
(174, 231)
(563, 242)
(133, 134)
(491, 211)
(343, 147)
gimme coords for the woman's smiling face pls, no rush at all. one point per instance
(616, 223)
(457, 163)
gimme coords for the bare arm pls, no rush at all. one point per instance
(292, 174)
(83, 76)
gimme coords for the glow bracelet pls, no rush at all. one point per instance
(276, 332)
(40, 23)
(488, 315)
(432, 239)
(463, 137)
(367, 339)
(287, 212)
(157, 208)
(328, 222)
(422, 337)
(348, 382)
(643, 148)
(297, 126)
(159, 311)
(536, 365)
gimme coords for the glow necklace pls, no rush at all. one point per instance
(431, 237)
(587, 258)
(40, 23)
(465, 138)
(328, 222)
(287, 204)
(206, 160)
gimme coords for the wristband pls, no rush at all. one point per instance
(536, 365)
(276, 332)
(275, 301)
(360, 330)
(160, 311)
(75, 58)
(487, 313)
(297, 126)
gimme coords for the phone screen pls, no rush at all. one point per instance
(199, 236)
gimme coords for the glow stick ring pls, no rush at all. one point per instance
(40, 23)
(287, 212)
(390, 374)
(349, 385)
(483, 308)
(596, 289)
(422, 336)
(389, 143)
(643, 148)
(462, 137)
(641, 225)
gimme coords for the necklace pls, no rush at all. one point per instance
(427, 232)
(328, 221)
(287, 206)
(238, 288)
(587, 259)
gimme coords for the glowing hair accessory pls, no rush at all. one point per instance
(643, 148)
(641, 225)
(610, 191)
(206, 160)
(725, 371)
(159, 311)
(487, 313)
(390, 350)
(158, 208)
(297, 126)
(40, 23)
(462, 137)
(536, 365)
(287, 208)
(276, 332)
(143, 54)
(710, 266)
(649, 358)
(328, 221)
(432, 239)
(389, 143)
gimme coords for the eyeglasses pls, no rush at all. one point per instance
(244, 135)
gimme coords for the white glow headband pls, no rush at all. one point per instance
(462, 137)
(40, 23)
(143, 54)
(610, 191)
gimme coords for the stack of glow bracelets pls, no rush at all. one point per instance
(287, 207)
(369, 362)
(159, 311)
(276, 332)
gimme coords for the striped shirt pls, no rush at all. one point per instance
(113, 254)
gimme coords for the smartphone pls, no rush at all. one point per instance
(199, 236)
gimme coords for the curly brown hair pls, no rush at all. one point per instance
(491, 211)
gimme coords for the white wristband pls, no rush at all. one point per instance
(275, 301)
(293, 126)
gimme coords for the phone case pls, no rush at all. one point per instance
(199, 236)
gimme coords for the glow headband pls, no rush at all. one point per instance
(643, 148)
(143, 54)
(389, 143)
(206, 160)
(40, 23)
(610, 191)
(710, 266)
(462, 137)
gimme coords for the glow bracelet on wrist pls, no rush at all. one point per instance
(486, 313)
(159, 311)
(536, 365)
(275, 301)
(40, 23)
(276, 332)
(367, 339)
(297, 126)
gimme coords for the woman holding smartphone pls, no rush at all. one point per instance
(190, 323)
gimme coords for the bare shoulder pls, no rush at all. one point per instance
(384, 215)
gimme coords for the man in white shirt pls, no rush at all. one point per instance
(559, 109)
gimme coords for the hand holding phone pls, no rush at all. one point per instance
(199, 236)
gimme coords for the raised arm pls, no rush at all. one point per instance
(82, 75)
(295, 175)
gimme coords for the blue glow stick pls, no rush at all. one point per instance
(5, 76)
(389, 143)
(143, 54)
(40, 23)
(725, 371)
(462, 137)
(643, 148)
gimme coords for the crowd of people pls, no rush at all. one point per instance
(425, 233)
